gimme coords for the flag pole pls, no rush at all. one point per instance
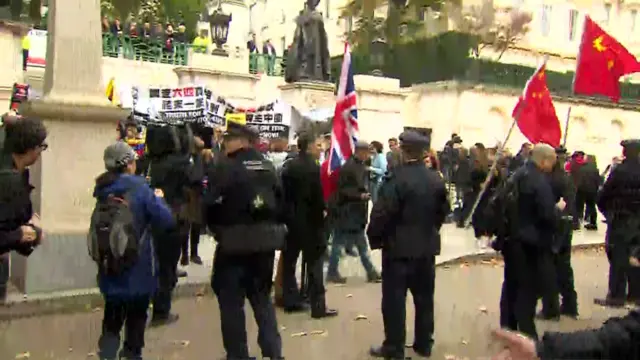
(499, 155)
(494, 166)
(566, 127)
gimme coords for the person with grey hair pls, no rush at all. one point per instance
(351, 210)
(528, 239)
(127, 286)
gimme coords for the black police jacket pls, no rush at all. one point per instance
(15, 206)
(619, 197)
(304, 201)
(616, 339)
(406, 219)
(243, 205)
(562, 187)
(538, 217)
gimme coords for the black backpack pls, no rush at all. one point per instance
(112, 240)
(502, 208)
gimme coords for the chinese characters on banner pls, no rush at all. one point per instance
(216, 109)
(271, 121)
(177, 105)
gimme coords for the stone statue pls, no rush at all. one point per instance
(308, 58)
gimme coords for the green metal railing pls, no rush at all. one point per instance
(266, 64)
(134, 48)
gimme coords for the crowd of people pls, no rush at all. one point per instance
(168, 34)
(164, 185)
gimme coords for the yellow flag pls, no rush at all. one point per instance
(239, 118)
(110, 91)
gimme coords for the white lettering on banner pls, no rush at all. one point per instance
(196, 104)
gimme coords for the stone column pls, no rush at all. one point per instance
(11, 34)
(81, 123)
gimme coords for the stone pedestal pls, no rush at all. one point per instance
(11, 34)
(81, 123)
(380, 107)
(308, 95)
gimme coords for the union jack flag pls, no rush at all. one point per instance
(344, 132)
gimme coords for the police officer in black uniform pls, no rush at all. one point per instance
(244, 210)
(559, 264)
(619, 201)
(405, 223)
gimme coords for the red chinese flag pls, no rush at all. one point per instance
(602, 60)
(535, 114)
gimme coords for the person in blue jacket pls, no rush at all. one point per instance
(127, 295)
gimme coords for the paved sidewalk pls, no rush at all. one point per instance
(456, 243)
(466, 309)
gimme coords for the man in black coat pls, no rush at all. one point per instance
(351, 210)
(244, 210)
(558, 264)
(20, 231)
(619, 201)
(530, 241)
(306, 212)
(405, 223)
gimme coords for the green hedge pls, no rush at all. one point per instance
(446, 57)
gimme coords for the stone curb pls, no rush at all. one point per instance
(92, 300)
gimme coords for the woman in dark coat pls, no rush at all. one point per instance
(482, 226)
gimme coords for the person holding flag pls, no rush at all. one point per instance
(344, 178)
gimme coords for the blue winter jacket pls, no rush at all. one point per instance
(148, 211)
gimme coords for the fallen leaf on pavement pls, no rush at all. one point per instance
(200, 292)
(283, 328)
(483, 309)
(361, 317)
(70, 349)
(446, 267)
(449, 357)
(91, 354)
(317, 332)
(464, 342)
(464, 265)
(338, 285)
(25, 355)
(97, 309)
(299, 334)
(349, 295)
(185, 343)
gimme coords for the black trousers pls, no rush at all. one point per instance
(565, 286)
(313, 258)
(398, 276)
(25, 57)
(168, 251)
(239, 277)
(4, 276)
(130, 314)
(624, 279)
(191, 242)
(590, 209)
(520, 287)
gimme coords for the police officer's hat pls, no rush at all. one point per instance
(414, 139)
(235, 130)
(630, 144)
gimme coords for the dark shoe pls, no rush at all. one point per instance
(299, 307)
(184, 260)
(181, 273)
(571, 312)
(591, 227)
(543, 316)
(350, 251)
(381, 352)
(610, 302)
(324, 313)
(196, 259)
(162, 320)
(374, 278)
(421, 352)
(336, 279)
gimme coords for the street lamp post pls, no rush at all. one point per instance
(376, 57)
(219, 23)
